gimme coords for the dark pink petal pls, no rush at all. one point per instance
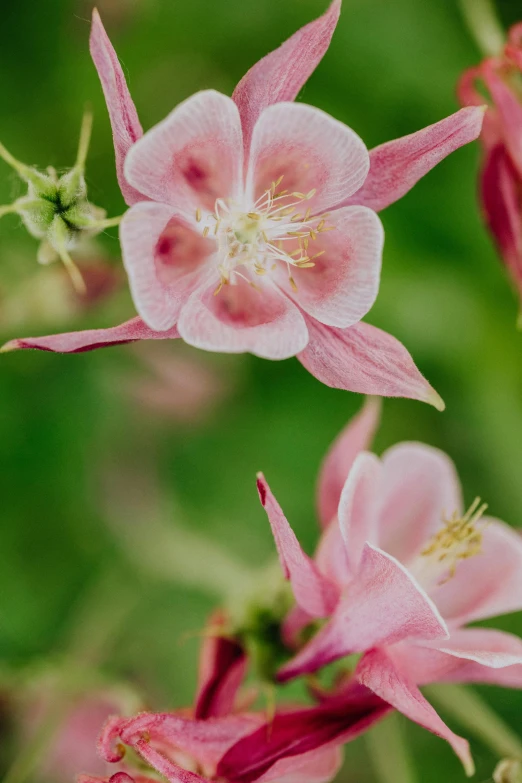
(367, 360)
(222, 666)
(317, 766)
(242, 319)
(126, 128)
(383, 605)
(500, 191)
(163, 256)
(164, 766)
(395, 167)
(378, 673)
(192, 157)
(426, 665)
(280, 75)
(487, 584)
(420, 487)
(310, 151)
(359, 507)
(509, 109)
(344, 283)
(313, 592)
(485, 646)
(296, 732)
(77, 342)
(357, 436)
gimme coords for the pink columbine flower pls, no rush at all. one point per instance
(253, 221)
(217, 740)
(400, 571)
(501, 177)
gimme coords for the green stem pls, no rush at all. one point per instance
(478, 717)
(387, 751)
(100, 614)
(85, 140)
(40, 181)
(8, 209)
(99, 224)
(484, 25)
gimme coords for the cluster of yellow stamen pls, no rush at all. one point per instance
(257, 239)
(459, 539)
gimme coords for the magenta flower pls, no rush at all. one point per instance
(399, 573)
(218, 741)
(253, 221)
(501, 177)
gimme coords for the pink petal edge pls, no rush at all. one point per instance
(357, 436)
(364, 359)
(383, 605)
(313, 591)
(378, 673)
(396, 166)
(280, 75)
(88, 340)
(126, 128)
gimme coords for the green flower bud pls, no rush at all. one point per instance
(56, 209)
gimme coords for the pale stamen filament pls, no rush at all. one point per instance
(459, 539)
(256, 238)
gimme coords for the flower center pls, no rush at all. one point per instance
(278, 229)
(459, 539)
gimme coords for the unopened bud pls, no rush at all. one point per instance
(56, 209)
(508, 771)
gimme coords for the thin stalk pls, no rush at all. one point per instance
(85, 140)
(484, 25)
(58, 240)
(74, 273)
(26, 172)
(475, 715)
(8, 209)
(99, 224)
(388, 753)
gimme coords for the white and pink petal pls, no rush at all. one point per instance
(357, 436)
(420, 488)
(312, 153)
(489, 583)
(243, 319)
(164, 257)
(192, 157)
(343, 285)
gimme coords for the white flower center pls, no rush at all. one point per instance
(459, 539)
(277, 229)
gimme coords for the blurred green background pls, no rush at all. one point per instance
(98, 463)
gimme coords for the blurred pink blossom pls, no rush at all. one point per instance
(77, 720)
(501, 177)
(177, 386)
(399, 573)
(253, 221)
